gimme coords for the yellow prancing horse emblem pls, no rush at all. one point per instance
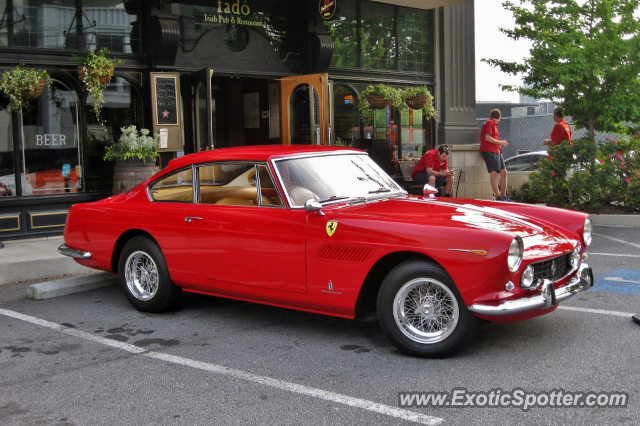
(332, 225)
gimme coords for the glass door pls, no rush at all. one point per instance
(202, 110)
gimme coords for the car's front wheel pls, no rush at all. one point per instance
(144, 276)
(421, 311)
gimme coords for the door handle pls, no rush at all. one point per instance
(191, 218)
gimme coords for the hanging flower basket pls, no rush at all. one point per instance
(377, 101)
(417, 101)
(21, 85)
(103, 77)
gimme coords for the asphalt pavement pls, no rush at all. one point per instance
(90, 358)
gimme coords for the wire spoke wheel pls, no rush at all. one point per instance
(141, 275)
(426, 311)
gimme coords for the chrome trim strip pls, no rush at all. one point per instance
(545, 299)
(78, 254)
(476, 252)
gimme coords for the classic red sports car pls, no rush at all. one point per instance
(325, 230)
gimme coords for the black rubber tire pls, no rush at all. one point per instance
(167, 294)
(461, 334)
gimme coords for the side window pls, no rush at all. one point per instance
(228, 184)
(268, 191)
(519, 164)
(535, 161)
(177, 187)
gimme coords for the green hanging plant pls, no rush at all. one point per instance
(95, 70)
(419, 98)
(378, 97)
(21, 85)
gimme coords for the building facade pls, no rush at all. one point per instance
(211, 74)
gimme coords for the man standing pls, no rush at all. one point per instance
(433, 168)
(561, 131)
(491, 151)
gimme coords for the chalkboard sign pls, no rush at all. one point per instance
(166, 101)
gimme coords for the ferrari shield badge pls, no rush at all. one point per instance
(332, 225)
(327, 9)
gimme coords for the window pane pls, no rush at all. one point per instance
(122, 108)
(48, 24)
(415, 40)
(7, 166)
(116, 27)
(177, 187)
(344, 33)
(4, 41)
(228, 184)
(51, 149)
(347, 119)
(378, 40)
(416, 134)
(268, 191)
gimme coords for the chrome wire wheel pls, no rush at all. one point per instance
(141, 275)
(426, 310)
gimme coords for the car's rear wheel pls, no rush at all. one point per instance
(421, 311)
(144, 276)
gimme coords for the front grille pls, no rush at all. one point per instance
(552, 269)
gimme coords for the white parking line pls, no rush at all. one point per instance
(617, 240)
(238, 374)
(596, 311)
(614, 254)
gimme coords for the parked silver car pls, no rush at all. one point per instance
(519, 167)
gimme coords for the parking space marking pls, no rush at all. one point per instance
(596, 311)
(237, 374)
(617, 240)
(614, 254)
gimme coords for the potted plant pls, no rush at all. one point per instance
(21, 84)
(378, 97)
(134, 154)
(95, 70)
(419, 98)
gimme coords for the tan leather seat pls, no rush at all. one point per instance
(300, 195)
(231, 201)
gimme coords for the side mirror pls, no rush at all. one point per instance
(429, 191)
(313, 206)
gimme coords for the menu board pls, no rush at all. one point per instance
(166, 101)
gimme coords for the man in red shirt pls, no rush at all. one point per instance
(561, 131)
(433, 168)
(491, 151)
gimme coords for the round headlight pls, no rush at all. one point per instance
(526, 282)
(575, 257)
(515, 254)
(586, 232)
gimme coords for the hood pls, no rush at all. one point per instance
(454, 213)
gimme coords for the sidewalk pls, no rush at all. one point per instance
(35, 258)
(38, 258)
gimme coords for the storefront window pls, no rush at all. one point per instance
(344, 33)
(4, 31)
(51, 145)
(377, 34)
(347, 119)
(416, 134)
(122, 108)
(7, 167)
(414, 27)
(116, 26)
(48, 24)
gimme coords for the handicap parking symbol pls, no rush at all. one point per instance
(624, 281)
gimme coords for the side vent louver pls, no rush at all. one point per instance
(343, 253)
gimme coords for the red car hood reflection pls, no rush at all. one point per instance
(458, 213)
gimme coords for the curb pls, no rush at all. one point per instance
(65, 286)
(619, 220)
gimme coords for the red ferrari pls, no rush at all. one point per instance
(325, 230)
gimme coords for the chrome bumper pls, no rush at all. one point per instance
(547, 296)
(78, 254)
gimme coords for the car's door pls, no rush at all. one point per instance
(240, 232)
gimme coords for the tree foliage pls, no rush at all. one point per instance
(585, 58)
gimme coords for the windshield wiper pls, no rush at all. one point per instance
(334, 197)
(379, 190)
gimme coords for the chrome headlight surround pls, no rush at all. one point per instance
(526, 281)
(587, 231)
(575, 257)
(516, 250)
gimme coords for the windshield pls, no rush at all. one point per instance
(334, 177)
